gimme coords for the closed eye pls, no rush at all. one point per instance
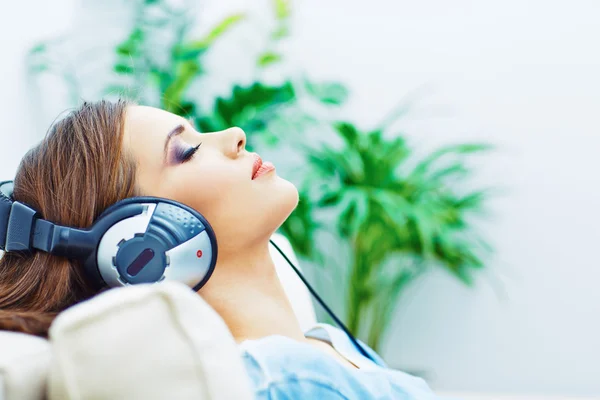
(183, 154)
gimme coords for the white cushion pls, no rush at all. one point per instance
(24, 359)
(24, 363)
(160, 341)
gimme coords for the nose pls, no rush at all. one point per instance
(234, 141)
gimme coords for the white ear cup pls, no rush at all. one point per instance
(165, 241)
(109, 244)
(189, 262)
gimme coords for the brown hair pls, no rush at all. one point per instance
(70, 177)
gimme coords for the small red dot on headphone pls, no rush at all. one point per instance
(199, 253)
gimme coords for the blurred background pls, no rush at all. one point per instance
(445, 153)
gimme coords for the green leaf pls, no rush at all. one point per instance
(186, 53)
(471, 201)
(187, 109)
(137, 35)
(281, 32)
(125, 49)
(39, 48)
(282, 8)
(345, 221)
(130, 46)
(270, 140)
(468, 148)
(246, 106)
(160, 79)
(329, 199)
(348, 131)
(456, 169)
(123, 69)
(268, 58)
(195, 48)
(356, 213)
(328, 93)
(324, 163)
(39, 68)
(172, 96)
(209, 123)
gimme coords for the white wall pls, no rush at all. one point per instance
(522, 75)
(23, 24)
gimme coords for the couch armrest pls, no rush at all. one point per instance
(158, 341)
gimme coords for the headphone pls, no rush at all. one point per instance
(136, 240)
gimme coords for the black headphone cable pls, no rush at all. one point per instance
(322, 303)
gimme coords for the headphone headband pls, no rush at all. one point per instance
(22, 230)
(16, 221)
(5, 208)
(6, 189)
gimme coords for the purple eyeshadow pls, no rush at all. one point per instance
(180, 152)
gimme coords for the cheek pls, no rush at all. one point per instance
(211, 188)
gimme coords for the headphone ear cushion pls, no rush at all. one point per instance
(167, 240)
(175, 223)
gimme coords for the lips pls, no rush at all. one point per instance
(258, 168)
(257, 163)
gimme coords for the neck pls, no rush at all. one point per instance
(246, 292)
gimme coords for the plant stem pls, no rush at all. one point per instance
(358, 296)
(354, 312)
(385, 306)
(376, 332)
(382, 312)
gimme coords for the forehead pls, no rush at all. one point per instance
(146, 129)
(147, 123)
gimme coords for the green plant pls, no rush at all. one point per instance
(387, 208)
(252, 107)
(399, 215)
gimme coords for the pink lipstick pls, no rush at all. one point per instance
(260, 168)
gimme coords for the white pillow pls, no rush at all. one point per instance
(24, 363)
(160, 341)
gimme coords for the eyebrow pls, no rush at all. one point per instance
(174, 132)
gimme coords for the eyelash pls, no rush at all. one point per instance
(183, 155)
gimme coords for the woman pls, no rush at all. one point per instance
(105, 152)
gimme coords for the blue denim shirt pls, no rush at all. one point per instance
(283, 368)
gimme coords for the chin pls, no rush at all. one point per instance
(284, 201)
(289, 195)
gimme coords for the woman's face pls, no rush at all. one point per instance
(216, 179)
